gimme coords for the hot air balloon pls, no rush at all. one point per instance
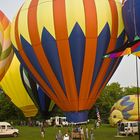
(131, 17)
(24, 92)
(62, 43)
(125, 109)
(6, 52)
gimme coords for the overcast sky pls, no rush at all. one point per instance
(125, 74)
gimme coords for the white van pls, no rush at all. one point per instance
(128, 128)
(7, 130)
(59, 121)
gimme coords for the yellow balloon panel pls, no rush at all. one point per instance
(103, 14)
(120, 20)
(73, 15)
(47, 21)
(13, 87)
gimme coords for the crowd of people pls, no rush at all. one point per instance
(77, 132)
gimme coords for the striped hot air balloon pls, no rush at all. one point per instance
(6, 52)
(62, 43)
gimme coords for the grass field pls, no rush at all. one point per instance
(105, 132)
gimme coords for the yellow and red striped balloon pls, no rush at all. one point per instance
(6, 52)
(62, 43)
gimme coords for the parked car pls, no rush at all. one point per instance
(128, 128)
(7, 130)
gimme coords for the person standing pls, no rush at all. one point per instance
(97, 124)
(66, 137)
(87, 136)
(82, 133)
(42, 132)
(91, 134)
(59, 136)
(118, 128)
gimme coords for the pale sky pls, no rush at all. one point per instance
(125, 73)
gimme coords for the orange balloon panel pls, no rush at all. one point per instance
(62, 43)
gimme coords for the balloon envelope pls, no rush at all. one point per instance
(6, 52)
(62, 43)
(131, 17)
(125, 109)
(44, 104)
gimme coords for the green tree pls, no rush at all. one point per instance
(130, 90)
(8, 111)
(111, 94)
(108, 97)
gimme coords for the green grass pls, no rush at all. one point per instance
(105, 132)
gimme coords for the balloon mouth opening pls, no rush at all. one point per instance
(77, 117)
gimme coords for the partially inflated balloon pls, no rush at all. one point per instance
(62, 43)
(6, 52)
(126, 109)
(14, 89)
(44, 104)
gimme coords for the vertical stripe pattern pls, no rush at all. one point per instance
(63, 46)
(40, 99)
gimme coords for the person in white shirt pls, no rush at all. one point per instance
(82, 133)
(87, 135)
(66, 137)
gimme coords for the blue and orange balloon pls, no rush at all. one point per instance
(62, 43)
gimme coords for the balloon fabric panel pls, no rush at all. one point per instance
(40, 99)
(6, 52)
(51, 52)
(106, 62)
(131, 10)
(114, 62)
(66, 55)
